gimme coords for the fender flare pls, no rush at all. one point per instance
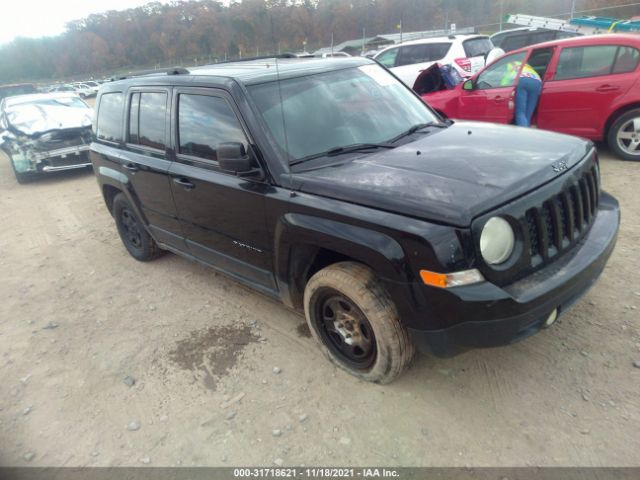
(298, 239)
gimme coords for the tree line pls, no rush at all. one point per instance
(206, 31)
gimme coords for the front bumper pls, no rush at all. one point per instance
(67, 158)
(504, 315)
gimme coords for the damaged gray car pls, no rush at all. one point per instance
(45, 132)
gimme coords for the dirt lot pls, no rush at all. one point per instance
(79, 315)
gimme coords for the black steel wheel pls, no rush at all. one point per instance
(132, 232)
(345, 329)
(356, 323)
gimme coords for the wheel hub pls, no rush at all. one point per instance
(346, 330)
(131, 227)
(628, 137)
(349, 328)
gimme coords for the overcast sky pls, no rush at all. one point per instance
(41, 18)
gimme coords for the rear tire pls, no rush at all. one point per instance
(624, 135)
(356, 323)
(132, 232)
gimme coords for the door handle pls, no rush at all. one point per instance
(183, 182)
(132, 167)
(606, 88)
(499, 99)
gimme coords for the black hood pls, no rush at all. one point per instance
(461, 172)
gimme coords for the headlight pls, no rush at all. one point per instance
(496, 241)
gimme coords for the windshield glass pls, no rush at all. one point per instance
(339, 108)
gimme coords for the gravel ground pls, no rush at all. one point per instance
(108, 361)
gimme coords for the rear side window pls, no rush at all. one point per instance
(477, 47)
(428, 52)
(147, 119)
(581, 62)
(626, 60)
(543, 36)
(204, 122)
(515, 42)
(109, 123)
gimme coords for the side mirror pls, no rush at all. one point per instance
(232, 157)
(467, 85)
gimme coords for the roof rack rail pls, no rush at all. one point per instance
(142, 73)
(262, 57)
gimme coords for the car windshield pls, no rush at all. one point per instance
(352, 106)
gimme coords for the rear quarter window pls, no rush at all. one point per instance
(109, 121)
(626, 60)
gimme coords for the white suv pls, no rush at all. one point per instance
(466, 53)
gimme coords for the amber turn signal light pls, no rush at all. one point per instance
(455, 279)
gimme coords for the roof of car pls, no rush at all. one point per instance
(250, 71)
(518, 30)
(604, 39)
(445, 38)
(442, 39)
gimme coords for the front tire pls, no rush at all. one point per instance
(624, 135)
(21, 178)
(357, 324)
(132, 232)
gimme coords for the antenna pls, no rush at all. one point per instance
(284, 123)
(284, 128)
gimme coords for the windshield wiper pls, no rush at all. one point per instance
(416, 128)
(356, 147)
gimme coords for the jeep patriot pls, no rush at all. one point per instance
(330, 185)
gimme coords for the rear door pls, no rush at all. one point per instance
(585, 83)
(491, 99)
(222, 215)
(146, 163)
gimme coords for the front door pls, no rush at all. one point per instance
(493, 93)
(222, 215)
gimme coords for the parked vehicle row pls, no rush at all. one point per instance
(591, 89)
(84, 90)
(391, 229)
(466, 53)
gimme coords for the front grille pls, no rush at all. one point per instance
(560, 221)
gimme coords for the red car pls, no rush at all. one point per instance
(591, 88)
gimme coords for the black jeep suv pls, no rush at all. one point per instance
(330, 185)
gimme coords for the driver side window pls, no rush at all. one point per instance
(501, 74)
(388, 58)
